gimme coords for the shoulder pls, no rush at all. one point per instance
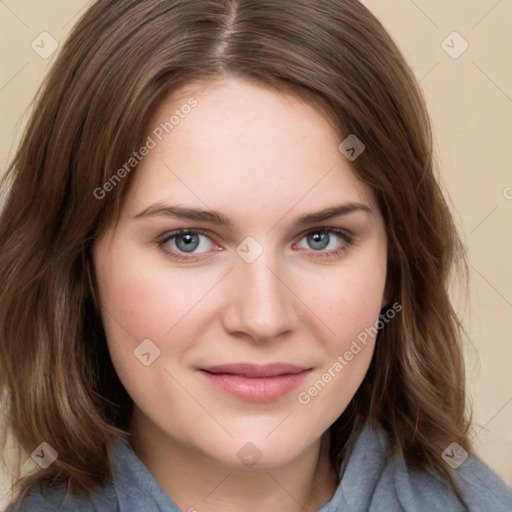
(58, 499)
(133, 489)
(375, 480)
(481, 488)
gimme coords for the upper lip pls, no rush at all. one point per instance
(250, 370)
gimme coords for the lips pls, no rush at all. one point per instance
(253, 371)
(255, 383)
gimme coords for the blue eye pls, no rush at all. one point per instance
(318, 241)
(186, 241)
(328, 240)
(186, 245)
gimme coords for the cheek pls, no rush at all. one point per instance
(351, 309)
(146, 300)
(349, 300)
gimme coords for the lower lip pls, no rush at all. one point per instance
(263, 389)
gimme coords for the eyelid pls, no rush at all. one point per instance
(182, 231)
(325, 229)
(185, 231)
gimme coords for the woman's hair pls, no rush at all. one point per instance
(93, 111)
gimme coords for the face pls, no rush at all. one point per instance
(238, 287)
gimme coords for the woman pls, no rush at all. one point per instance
(224, 264)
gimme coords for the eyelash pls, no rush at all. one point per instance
(343, 235)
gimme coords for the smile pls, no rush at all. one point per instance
(256, 383)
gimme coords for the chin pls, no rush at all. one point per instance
(256, 452)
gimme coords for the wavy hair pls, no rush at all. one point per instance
(119, 62)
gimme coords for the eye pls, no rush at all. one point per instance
(184, 241)
(187, 244)
(326, 241)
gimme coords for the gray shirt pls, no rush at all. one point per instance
(373, 481)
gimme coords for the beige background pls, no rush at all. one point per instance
(470, 100)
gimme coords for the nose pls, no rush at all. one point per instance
(260, 306)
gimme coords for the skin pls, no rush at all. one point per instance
(262, 158)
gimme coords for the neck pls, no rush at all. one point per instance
(196, 482)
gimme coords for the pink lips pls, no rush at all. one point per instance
(256, 383)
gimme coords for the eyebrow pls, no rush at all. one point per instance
(218, 218)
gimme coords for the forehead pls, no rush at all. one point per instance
(245, 147)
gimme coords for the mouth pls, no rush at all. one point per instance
(256, 383)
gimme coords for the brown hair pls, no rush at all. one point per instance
(120, 61)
